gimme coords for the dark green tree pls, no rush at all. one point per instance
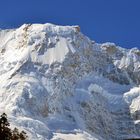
(23, 135)
(5, 131)
(15, 134)
(7, 134)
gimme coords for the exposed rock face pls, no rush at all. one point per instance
(55, 78)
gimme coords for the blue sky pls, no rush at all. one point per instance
(102, 20)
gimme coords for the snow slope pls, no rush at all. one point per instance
(58, 84)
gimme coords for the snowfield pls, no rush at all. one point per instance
(57, 84)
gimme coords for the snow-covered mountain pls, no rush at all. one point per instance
(55, 83)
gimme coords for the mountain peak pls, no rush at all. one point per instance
(55, 78)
